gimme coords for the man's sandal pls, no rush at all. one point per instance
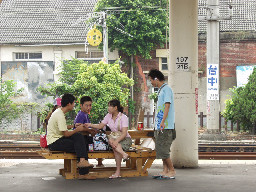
(156, 176)
(114, 176)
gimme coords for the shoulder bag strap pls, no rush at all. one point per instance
(118, 125)
(161, 89)
(159, 93)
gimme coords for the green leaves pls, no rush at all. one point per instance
(102, 82)
(10, 110)
(242, 105)
(146, 24)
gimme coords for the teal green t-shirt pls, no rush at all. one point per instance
(165, 96)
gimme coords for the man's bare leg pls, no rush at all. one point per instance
(165, 168)
(171, 172)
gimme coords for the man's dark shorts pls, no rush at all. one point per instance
(163, 141)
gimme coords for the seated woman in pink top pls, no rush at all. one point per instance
(116, 120)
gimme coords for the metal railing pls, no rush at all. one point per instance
(223, 123)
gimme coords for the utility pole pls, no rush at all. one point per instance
(213, 104)
(100, 19)
(105, 37)
(213, 67)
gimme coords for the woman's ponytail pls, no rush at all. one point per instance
(116, 103)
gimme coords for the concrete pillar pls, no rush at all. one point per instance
(213, 105)
(57, 63)
(183, 78)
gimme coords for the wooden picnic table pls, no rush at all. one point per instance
(140, 161)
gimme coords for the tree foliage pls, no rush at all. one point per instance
(242, 105)
(144, 20)
(102, 82)
(9, 109)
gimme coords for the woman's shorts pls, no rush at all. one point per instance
(126, 143)
(163, 141)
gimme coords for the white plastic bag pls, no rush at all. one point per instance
(148, 143)
(100, 142)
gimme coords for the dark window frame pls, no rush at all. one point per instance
(28, 55)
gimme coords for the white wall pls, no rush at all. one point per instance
(50, 53)
(68, 51)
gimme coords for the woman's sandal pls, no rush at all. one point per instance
(114, 176)
(126, 158)
(165, 177)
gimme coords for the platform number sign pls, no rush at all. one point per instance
(182, 64)
(212, 82)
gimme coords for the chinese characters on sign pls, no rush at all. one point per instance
(182, 64)
(212, 82)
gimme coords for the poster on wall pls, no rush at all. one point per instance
(29, 76)
(212, 82)
(242, 74)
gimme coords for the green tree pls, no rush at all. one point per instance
(102, 82)
(136, 27)
(144, 20)
(8, 109)
(242, 105)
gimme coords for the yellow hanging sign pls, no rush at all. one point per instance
(94, 37)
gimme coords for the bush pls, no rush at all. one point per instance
(101, 81)
(8, 109)
(242, 105)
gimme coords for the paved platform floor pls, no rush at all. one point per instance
(210, 176)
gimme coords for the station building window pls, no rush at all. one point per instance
(27, 56)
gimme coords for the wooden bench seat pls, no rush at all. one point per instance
(140, 161)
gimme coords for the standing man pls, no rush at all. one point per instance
(59, 138)
(164, 123)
